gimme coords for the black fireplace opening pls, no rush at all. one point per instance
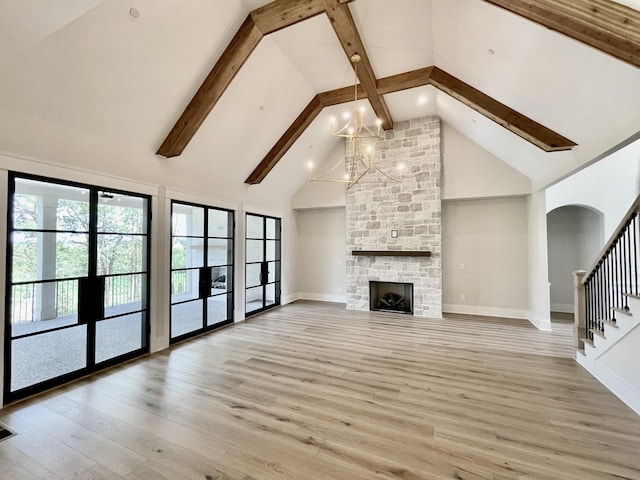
(391, 297)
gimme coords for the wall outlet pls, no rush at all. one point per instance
(462, 298)
(394, 233)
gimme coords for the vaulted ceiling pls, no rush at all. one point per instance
(245, 89)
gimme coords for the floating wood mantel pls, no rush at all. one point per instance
(391, 253)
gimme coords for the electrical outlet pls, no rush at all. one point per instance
(462, 298)
(394, 233)
(462, 266)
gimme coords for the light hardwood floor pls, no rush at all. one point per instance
(312, 391)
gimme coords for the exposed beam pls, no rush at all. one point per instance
(523, 126)
(262, 21)
(347, 33)
(297, 128)
(602, 24)
(277, 15)
(340, 95)
(243, 43)
(290, 136)
(538, 134)
(404, 81)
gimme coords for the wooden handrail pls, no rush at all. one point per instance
(617, 232)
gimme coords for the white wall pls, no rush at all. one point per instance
(469, 171)
(485, 254)
(321, 254)
(575, 235)
(322, 194)
(610, 186)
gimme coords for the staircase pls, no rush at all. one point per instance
(608, 312)
(614, 330)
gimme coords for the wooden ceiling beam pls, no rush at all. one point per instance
(523, 126)
(277, 15)
(270, 18)
(340, 95)
(602, 24)
(225, 69)
(289, 137)
(345, 28)
(404, 81)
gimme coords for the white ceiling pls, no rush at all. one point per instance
(126, 80)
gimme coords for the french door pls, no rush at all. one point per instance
(262, 263)
(77, 281)
(201, 269)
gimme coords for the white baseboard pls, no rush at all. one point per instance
(541, 323)
(322, 297)
(486, 311)
(289, 298)
(614, 384)
(562, 307)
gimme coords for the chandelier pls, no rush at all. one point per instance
(357, 165)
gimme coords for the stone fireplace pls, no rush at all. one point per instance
(399, 217)
(391, 297)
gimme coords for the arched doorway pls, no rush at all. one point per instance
(575, 235)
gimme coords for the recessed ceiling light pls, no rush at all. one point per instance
(134, 12)
(261, 107)
(422, 100)
(491, 52)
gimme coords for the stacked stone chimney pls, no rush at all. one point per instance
(412, 208)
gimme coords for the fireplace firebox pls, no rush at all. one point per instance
(391, 297)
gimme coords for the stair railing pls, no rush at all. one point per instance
(613, 275)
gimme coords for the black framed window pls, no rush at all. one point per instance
(202, 253)
(77, 281)
(262, 263)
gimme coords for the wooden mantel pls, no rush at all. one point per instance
(391, 253)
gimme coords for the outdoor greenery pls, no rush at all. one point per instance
(64, 245)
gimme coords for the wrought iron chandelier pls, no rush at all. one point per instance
(357, 164)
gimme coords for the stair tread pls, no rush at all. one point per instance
(587, 341)
(632, 295)
(597, 332)
(623, 311)
(611, 323)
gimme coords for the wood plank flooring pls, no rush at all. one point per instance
(312, 391)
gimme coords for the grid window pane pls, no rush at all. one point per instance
(187, 252)
(219, 223)
(255, 227)
(119, 213)
(38, 358)
(220, 252)
(255, 251)
(120, 253)
(117, 336)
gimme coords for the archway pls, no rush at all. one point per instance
(575, 235)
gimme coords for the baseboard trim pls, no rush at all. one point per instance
(486, 311)
(562, 307)
(289, 298)
(613, 383)
(541, 323)
(322, 297)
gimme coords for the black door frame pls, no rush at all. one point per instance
(205, 278)
(264, 273)
(92, 278)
